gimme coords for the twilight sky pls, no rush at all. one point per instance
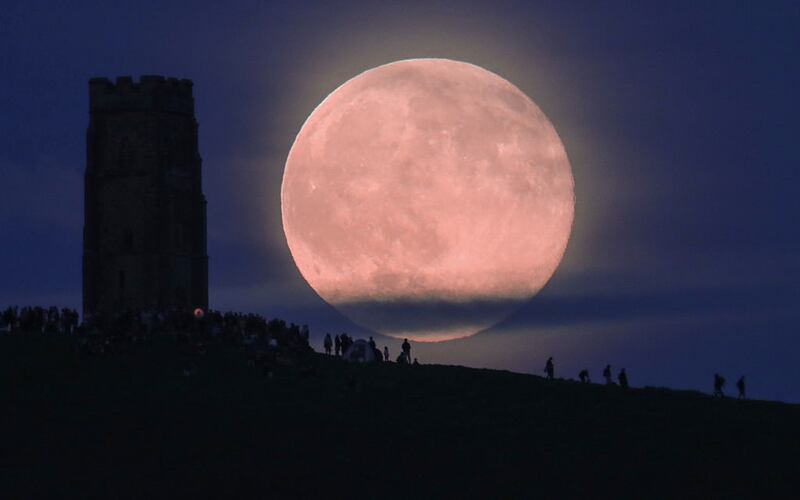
(679, 119)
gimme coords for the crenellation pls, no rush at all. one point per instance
(151, 93)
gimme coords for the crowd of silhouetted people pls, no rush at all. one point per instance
(340, 346)
(193, 329)
(267, 343)
(39, 319)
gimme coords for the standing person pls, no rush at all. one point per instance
(740, 386)
(623, 379)
(372, 343)
(337, 344)
(407, 349)
(328, 343)
(346, 342)
(607, 375)
(549, 368)
(386, 353)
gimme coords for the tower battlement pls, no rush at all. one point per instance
(150, 93)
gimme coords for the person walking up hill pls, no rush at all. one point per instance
(328, 343)
(623, 379)
(549, 368)
(740, 385)
(607, 375)
(719, 384)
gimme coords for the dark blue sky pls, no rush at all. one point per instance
(680, 120)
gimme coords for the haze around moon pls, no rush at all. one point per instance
(427, 198)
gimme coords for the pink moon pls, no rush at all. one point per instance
(427, 199)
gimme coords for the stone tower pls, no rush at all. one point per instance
(144, 235)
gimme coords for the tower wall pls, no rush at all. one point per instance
(144, 209)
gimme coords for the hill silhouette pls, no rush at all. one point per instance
(136, 426)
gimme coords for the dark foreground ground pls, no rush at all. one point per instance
(73, 426)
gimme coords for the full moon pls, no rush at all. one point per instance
(427, 199)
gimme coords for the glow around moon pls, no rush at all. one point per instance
(426, 198)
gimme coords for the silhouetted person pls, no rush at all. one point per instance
(623, 379)
(719, 384)
(741, 387)
(584, 376)
(337, 343)
(372, 343)
(549, 368)
(328, 343)
(607, 375)
(346, 342)
(386, 353)
(407, 350)
(416, 362)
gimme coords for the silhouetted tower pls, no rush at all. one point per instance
(144, 235)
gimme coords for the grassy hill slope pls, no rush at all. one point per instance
(134, 426)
